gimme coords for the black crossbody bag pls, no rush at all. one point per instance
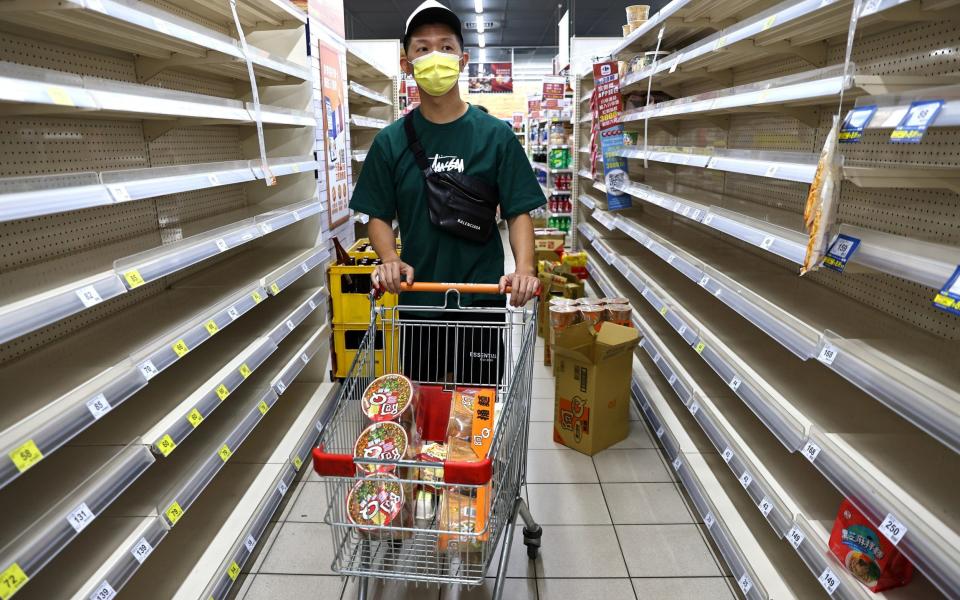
(459, 204)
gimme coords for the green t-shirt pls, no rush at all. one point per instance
(391, 186)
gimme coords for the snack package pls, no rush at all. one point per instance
(391, 397)
(384, 440)
(376, 503)
(866, 553)
(460, 425)
(820, 211)
(458, 514)
(432, 452)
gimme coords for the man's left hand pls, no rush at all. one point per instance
(523, 287)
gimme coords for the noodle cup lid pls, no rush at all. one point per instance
(616, 301)
(557, 301)
(591, 308)
(387, 397)
(618, 307)
(375, 501)
(384, 440)
(564, 309)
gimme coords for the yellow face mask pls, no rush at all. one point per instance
(436, 73)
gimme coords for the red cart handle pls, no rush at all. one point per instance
(454, 471)
(463, 288)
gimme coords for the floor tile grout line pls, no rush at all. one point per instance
(616, 534)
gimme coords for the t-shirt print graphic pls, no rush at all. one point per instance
(442, 164)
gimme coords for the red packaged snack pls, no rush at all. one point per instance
(866, 553)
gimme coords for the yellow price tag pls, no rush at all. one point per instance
(663, 310)
(233, 571)
(194, 418)
(244, 370)
(211, 327)
(274, 288)
(60, 96)
(699, 347)
(721, 43)
(295, 168)
(133, 278)
(944, 300)
(225, 453)
(769, 22)
(26, 456)
(11, 580)
(174, 513)
(180, 348)
(263, 407)
(222, 392)
(166, 445)
(257, 298)
(297, 463)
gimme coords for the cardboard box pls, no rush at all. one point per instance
(592, 400)
(548, 245)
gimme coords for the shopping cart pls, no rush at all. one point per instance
(449, 546)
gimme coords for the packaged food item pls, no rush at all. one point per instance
(461, 414)
(617, 300)
(621, 314)
(638, 12)
(593, 314)
(655, 56)
(389, 398)
(563, 316)
(820, 211)
(425, 508)
(458, 524)
(384, 440)
(432, 452)
(866, 553)
(375, 501)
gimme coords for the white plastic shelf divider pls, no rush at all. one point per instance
(361, 67)
(362, 122)
(55, 92)
(359, 156)
(157, 37)
(588, 201)
(361, 94)
(786, 166)
(254, 14)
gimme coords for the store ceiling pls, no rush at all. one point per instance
(515, 22)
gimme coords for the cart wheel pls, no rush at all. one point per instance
(531, 539)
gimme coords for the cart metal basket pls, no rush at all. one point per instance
(475, 503)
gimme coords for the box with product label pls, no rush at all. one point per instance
(548, 244)
(592, 394)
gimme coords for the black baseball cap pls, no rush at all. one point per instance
(430, 12)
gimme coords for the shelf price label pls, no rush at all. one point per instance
(80, 517)
(234, 313)
(811, 451)
(851, 132)
(225, 453)
(735, 382)
(919, 116)
(257, 298)
(180, 348)
(746, 479)
(893, 529)
(222, 245)
(727, 454)
(829, 580)
(745, 583)
(840, 252)
(827, 354)
(274, 288)
(677, 463)
(194, 418)
(297, 463)
(699, 347)
(795, 537)
(659, 432)
(694, 408)
(104, 591)
(148, 370)
(98, 406)
(709, 520)
(250, 543)
(141, 550)
(222, 392)
(262, 407)
(12, 579)
(134, 279)
(211, 327)
(89, 296)
(948, 299)
(233, 571)
(59, 96)
(282, 488)
(166, 445)
(767, 242)
(765, 506)
(174, 512)
(26, 456)
(244, 370)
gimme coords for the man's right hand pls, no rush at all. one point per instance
(390, 274)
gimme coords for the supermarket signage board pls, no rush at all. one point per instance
(840, 252)
(856, 121)
(918, 117)
(607, 112)
(949, 297)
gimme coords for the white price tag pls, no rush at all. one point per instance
(98, 406)
(704, 280)
(304, 358)
(141, 550)
(893, 529)
(290, 325)
(222, 245)
(676, 464)
(319, 426)
(771, 171)
(682, 330)
(745, 583)
(767, 242)
(727, 454)
(659, 432)
(694, 408)
(119, 193)
(795, 537)
(213, 179)
(709, 520)
(89, 296)
(313, 305)
(296, 216)
(676, 63)
(686, 211)
(304, 267)
(746, 479)
(696, 214)
(829, 580)
(80, 517)
(656, 357)
(676, 206)
(708, 219)
(735, 383)
(96, 5)
(673, 379)
(282, 488)
(671, 258)
(250, 543)
(104, 592)
(765, 506)
(266, 227)
(811, 451)
(648, 244)
(234, 313)
(827, 355)
(148, 369)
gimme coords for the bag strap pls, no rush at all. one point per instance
(413, 142)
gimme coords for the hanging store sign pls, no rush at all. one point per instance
(490, 78)
(857, 120)
(914, 124)
(533, 106)
(333, 70)
(609, 107)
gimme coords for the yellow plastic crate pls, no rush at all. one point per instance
(350, 308)
(359, 249)
(347, 340)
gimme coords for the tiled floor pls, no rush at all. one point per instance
(616, 526)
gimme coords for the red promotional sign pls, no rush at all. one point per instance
(490, 78)
(609, 102)
(553, 90)
(533, 107)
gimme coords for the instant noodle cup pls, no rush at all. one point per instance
(563, 316)
(375, 501)
(593, 314)
(621, 314)
(384, 440)
(387, 398)
(615, 301)
(638, 12)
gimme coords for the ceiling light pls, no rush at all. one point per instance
(483, 55)
(481, 41)
(480, 28)
(478, 6)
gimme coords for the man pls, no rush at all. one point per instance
(455, 137)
